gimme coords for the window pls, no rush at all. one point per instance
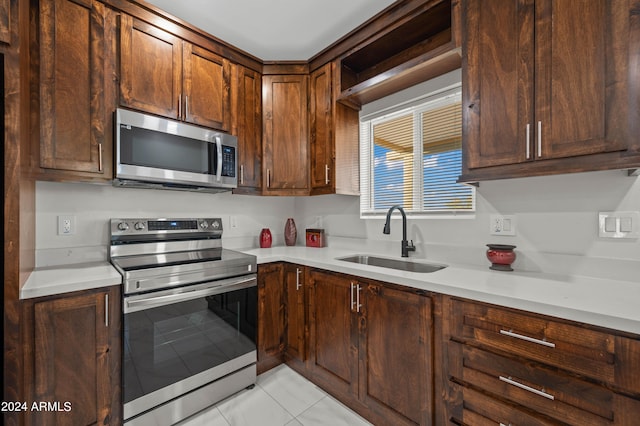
(413, 157)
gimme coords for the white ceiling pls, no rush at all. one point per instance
(275, 29)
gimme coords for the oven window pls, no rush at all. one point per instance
(166, 344)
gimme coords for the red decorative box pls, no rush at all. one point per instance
(315, 237)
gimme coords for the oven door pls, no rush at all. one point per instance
(180, 339)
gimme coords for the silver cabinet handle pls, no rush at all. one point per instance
(512, 382)
(100, 157)
(510, 333)
(326, 174)
(180, 107)
(186, 107)
(219, 153)
(268, 178)
(351, 292)
(298, 272)
(539, 139)
(358, 305)
(106, 310)
(241, 174)
(528, 141)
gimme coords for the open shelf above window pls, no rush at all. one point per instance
(414, 49)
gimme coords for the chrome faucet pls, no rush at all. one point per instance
(406, 246)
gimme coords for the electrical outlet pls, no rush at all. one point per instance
(66, 225)
(502, 224)
(318, 221)
(233, 222)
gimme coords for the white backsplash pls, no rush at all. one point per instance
(556, 216)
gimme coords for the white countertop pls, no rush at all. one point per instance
(52, 280)
(597, 301)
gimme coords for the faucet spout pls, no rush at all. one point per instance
(406, 246)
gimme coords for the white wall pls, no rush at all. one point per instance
(556, 218)
(557, 224)
(93, 206)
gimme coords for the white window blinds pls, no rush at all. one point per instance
(413, 158)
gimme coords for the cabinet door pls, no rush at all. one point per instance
(150, 68)
(396, 347)
(5, 18)
(334, 333)
(207, 85)
(75, 350)
(270, 316)
(247, 107)
(72, 85)
(295, 321)
(497, 85)
(321, 131)
(581, 74)
(285, 144)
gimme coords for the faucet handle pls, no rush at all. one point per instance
(410, 246)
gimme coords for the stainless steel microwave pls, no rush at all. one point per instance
(155, 152)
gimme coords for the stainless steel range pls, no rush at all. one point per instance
(190, 317)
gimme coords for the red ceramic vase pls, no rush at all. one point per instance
(265, 238)
(501, 256)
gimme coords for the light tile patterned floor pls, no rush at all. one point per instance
(281, 397)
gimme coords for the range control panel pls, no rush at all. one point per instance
(139, 226)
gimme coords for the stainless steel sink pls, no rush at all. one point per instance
(383, 262)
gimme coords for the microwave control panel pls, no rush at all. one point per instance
(228, 161)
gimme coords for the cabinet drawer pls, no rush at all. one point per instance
(479, 409)
(542, 390)
(595, 354)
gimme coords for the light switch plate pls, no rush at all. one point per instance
(619, 224)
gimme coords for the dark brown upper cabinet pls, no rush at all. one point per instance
(333, 136)
(321, 131)
(164, 75)
(545, 92)
(285, 138)
(247, 126)
(73, 55)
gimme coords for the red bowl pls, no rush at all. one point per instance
(501, 256)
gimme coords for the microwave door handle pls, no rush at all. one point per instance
(219, 158)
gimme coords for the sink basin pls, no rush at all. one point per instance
(383, 262)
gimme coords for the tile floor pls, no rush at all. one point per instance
(281, 397)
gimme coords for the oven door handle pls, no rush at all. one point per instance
(218, 287)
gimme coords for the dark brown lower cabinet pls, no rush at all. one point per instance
(399, 356)
(296, 319)
(512, 367)
(271, 319)
(371, 346)
(72, 345)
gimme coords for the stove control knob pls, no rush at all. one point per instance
(139, 226)
(123, 226)
(215, 224)
(204, 224)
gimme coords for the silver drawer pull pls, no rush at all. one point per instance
(528, 339)
(512, 382)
